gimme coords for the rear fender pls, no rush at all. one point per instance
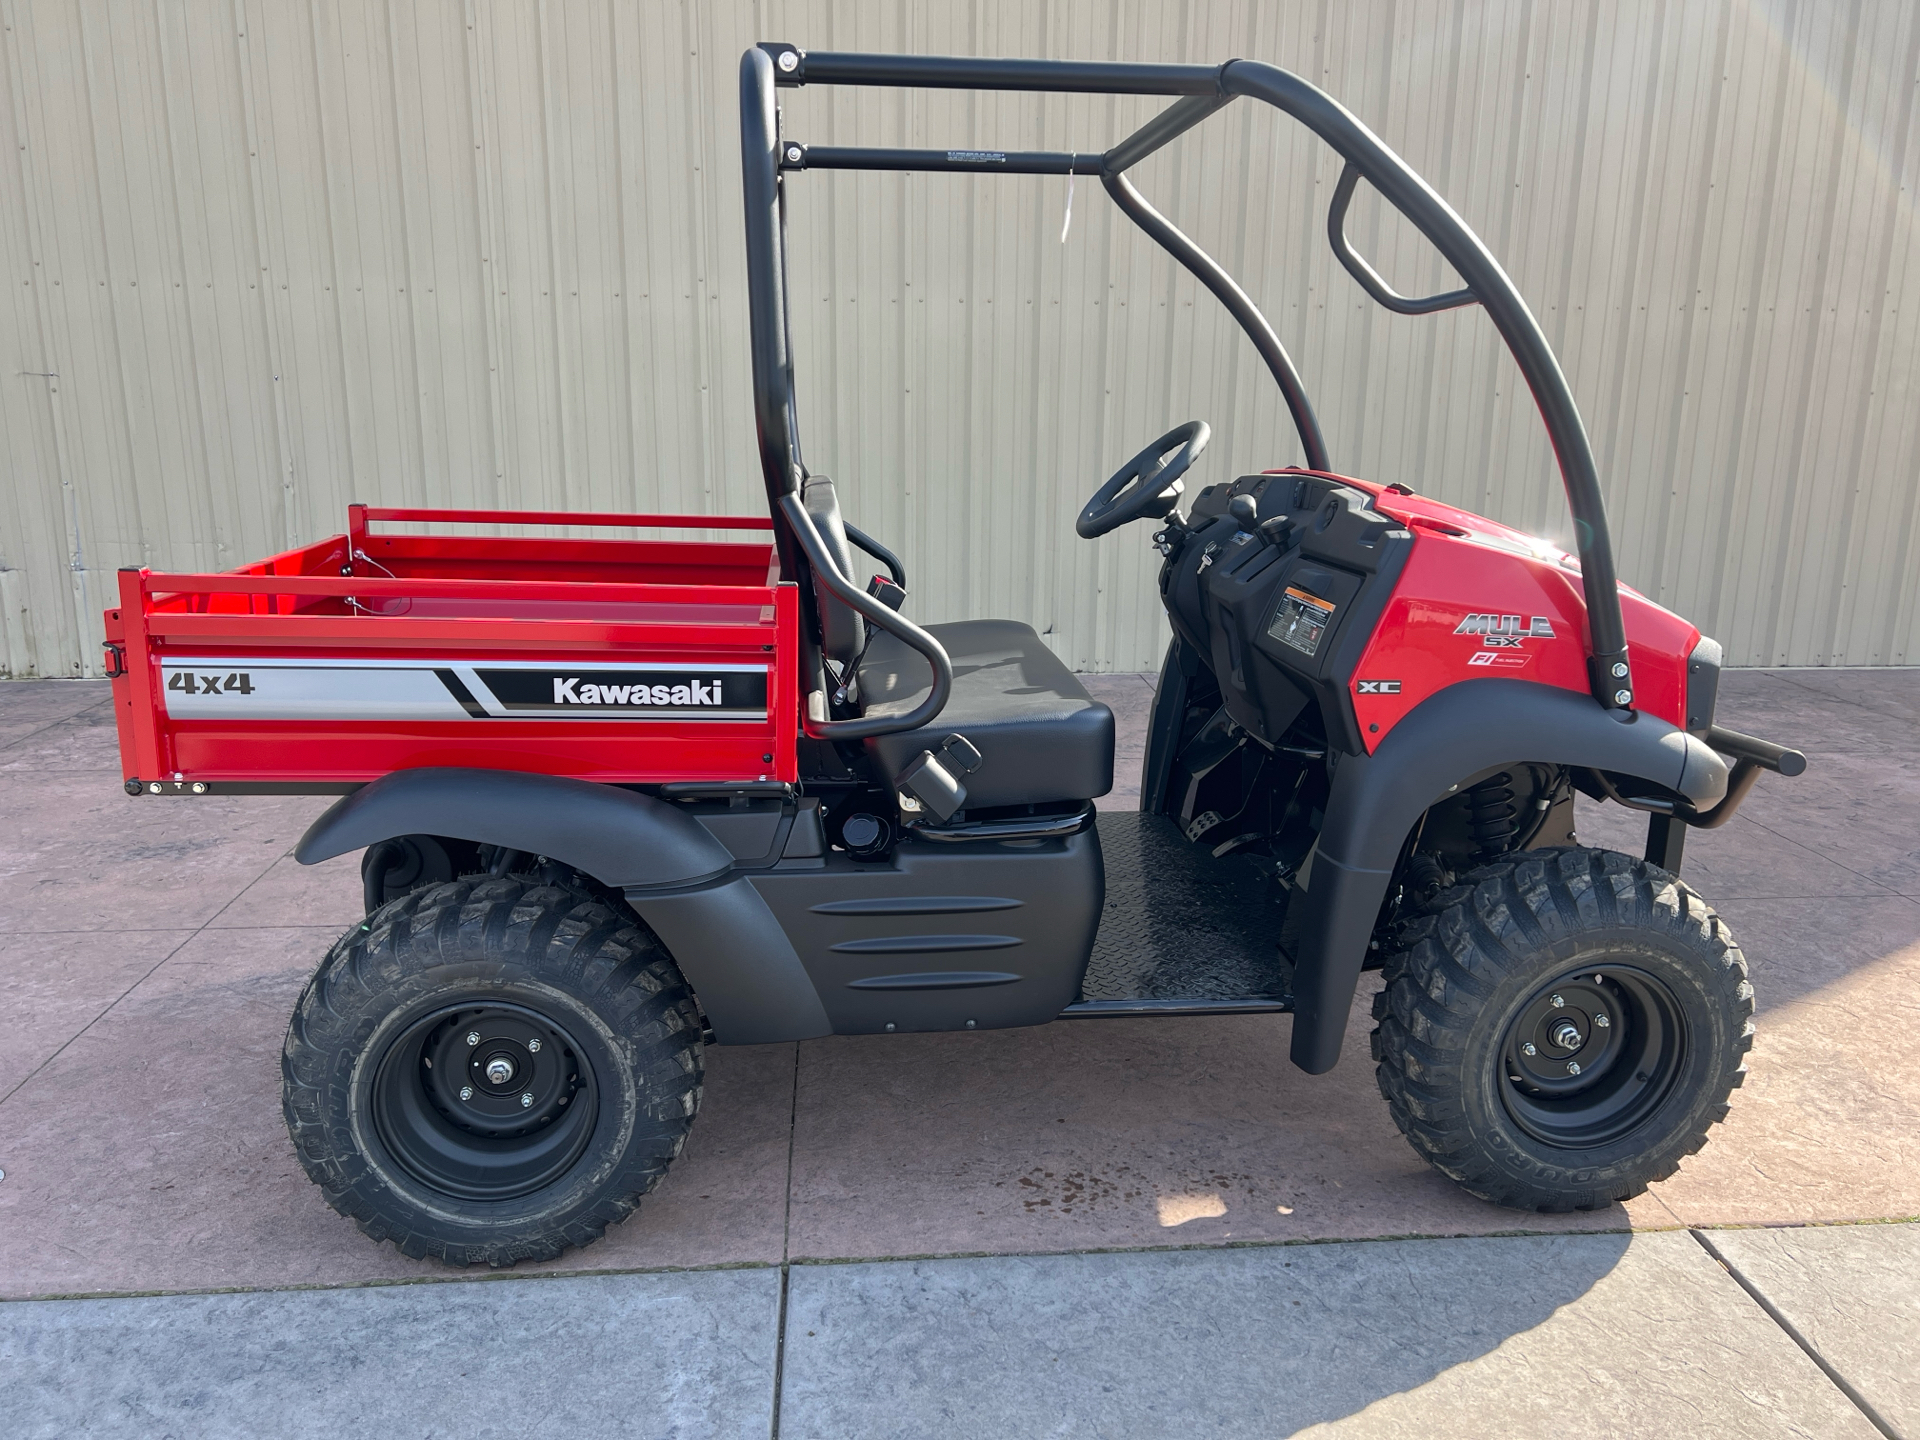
(1460, 732)
(674, 873)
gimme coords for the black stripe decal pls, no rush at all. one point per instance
(923, 944)
(941, 980)
(458, 689)
(916, 905)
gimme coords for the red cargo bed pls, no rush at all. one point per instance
(616, 660)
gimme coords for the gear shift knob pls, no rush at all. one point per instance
(1244, 511)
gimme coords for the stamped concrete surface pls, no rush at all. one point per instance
(151, 950)
(610, 1355)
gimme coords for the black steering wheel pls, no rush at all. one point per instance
(1148, 484)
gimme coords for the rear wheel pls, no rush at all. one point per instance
(492, 1070)
(1561, 1029)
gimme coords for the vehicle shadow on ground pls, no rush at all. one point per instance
(1297, 1336)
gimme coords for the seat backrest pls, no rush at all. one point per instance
(845, 632)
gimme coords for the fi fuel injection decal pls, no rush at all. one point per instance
(1503, 639)
(281, 689)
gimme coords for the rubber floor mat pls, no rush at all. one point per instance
(1180, 924)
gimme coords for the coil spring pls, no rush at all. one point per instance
(1491, 812)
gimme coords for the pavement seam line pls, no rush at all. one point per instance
(54, 724)
(108, 1008)
(820, 1262)
(779, 1356)
(241, 894)
(1788, 839)
(29, 1076)
(1816, 691)
(1775, 1314)
(786, 1256)
(824, 1262)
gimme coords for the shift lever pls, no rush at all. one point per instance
(1246, 514)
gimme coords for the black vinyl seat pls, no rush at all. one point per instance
(1042, 738)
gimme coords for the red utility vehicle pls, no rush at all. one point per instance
(623, 798)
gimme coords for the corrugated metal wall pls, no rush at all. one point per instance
(265, 258)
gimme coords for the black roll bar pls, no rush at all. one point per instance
(1204, 89)
(997, 162)
(1238, 304)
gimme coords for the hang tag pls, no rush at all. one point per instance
(1066, 222)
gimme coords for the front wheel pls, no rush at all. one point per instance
(1562, 1029)
(491, 1070)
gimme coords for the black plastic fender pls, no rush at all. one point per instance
(1452, 736)
(674, 873)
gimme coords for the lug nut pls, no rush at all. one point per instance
(1573, 1067)
(473, 1037)
(1602, 1021)
(533, 1046)
(1556, 1002)
(466, 1092)
(1527, 1049)
(526, 1099)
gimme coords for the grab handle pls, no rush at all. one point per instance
(887, 619)
(1369, 278)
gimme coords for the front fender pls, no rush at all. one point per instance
(1460, 732)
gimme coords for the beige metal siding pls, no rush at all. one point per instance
(266, 258)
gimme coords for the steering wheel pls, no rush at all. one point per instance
(1148, 484)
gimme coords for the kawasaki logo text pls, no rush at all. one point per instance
(571, 692)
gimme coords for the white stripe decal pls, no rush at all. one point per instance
(216, 688)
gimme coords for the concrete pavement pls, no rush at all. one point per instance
(152, 950)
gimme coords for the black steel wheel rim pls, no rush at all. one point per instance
(484, 1101)
(1591, 1055)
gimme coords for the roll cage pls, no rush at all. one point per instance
(767, 158)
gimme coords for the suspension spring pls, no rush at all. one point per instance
(1493, 815)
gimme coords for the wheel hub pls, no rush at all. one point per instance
(485, 1102)
(1591, 1055)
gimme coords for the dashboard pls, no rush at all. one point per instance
(1283, 610)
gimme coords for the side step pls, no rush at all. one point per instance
(1182, 932)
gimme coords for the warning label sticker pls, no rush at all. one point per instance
(1301, 619)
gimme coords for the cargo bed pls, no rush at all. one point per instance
(614, 660)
